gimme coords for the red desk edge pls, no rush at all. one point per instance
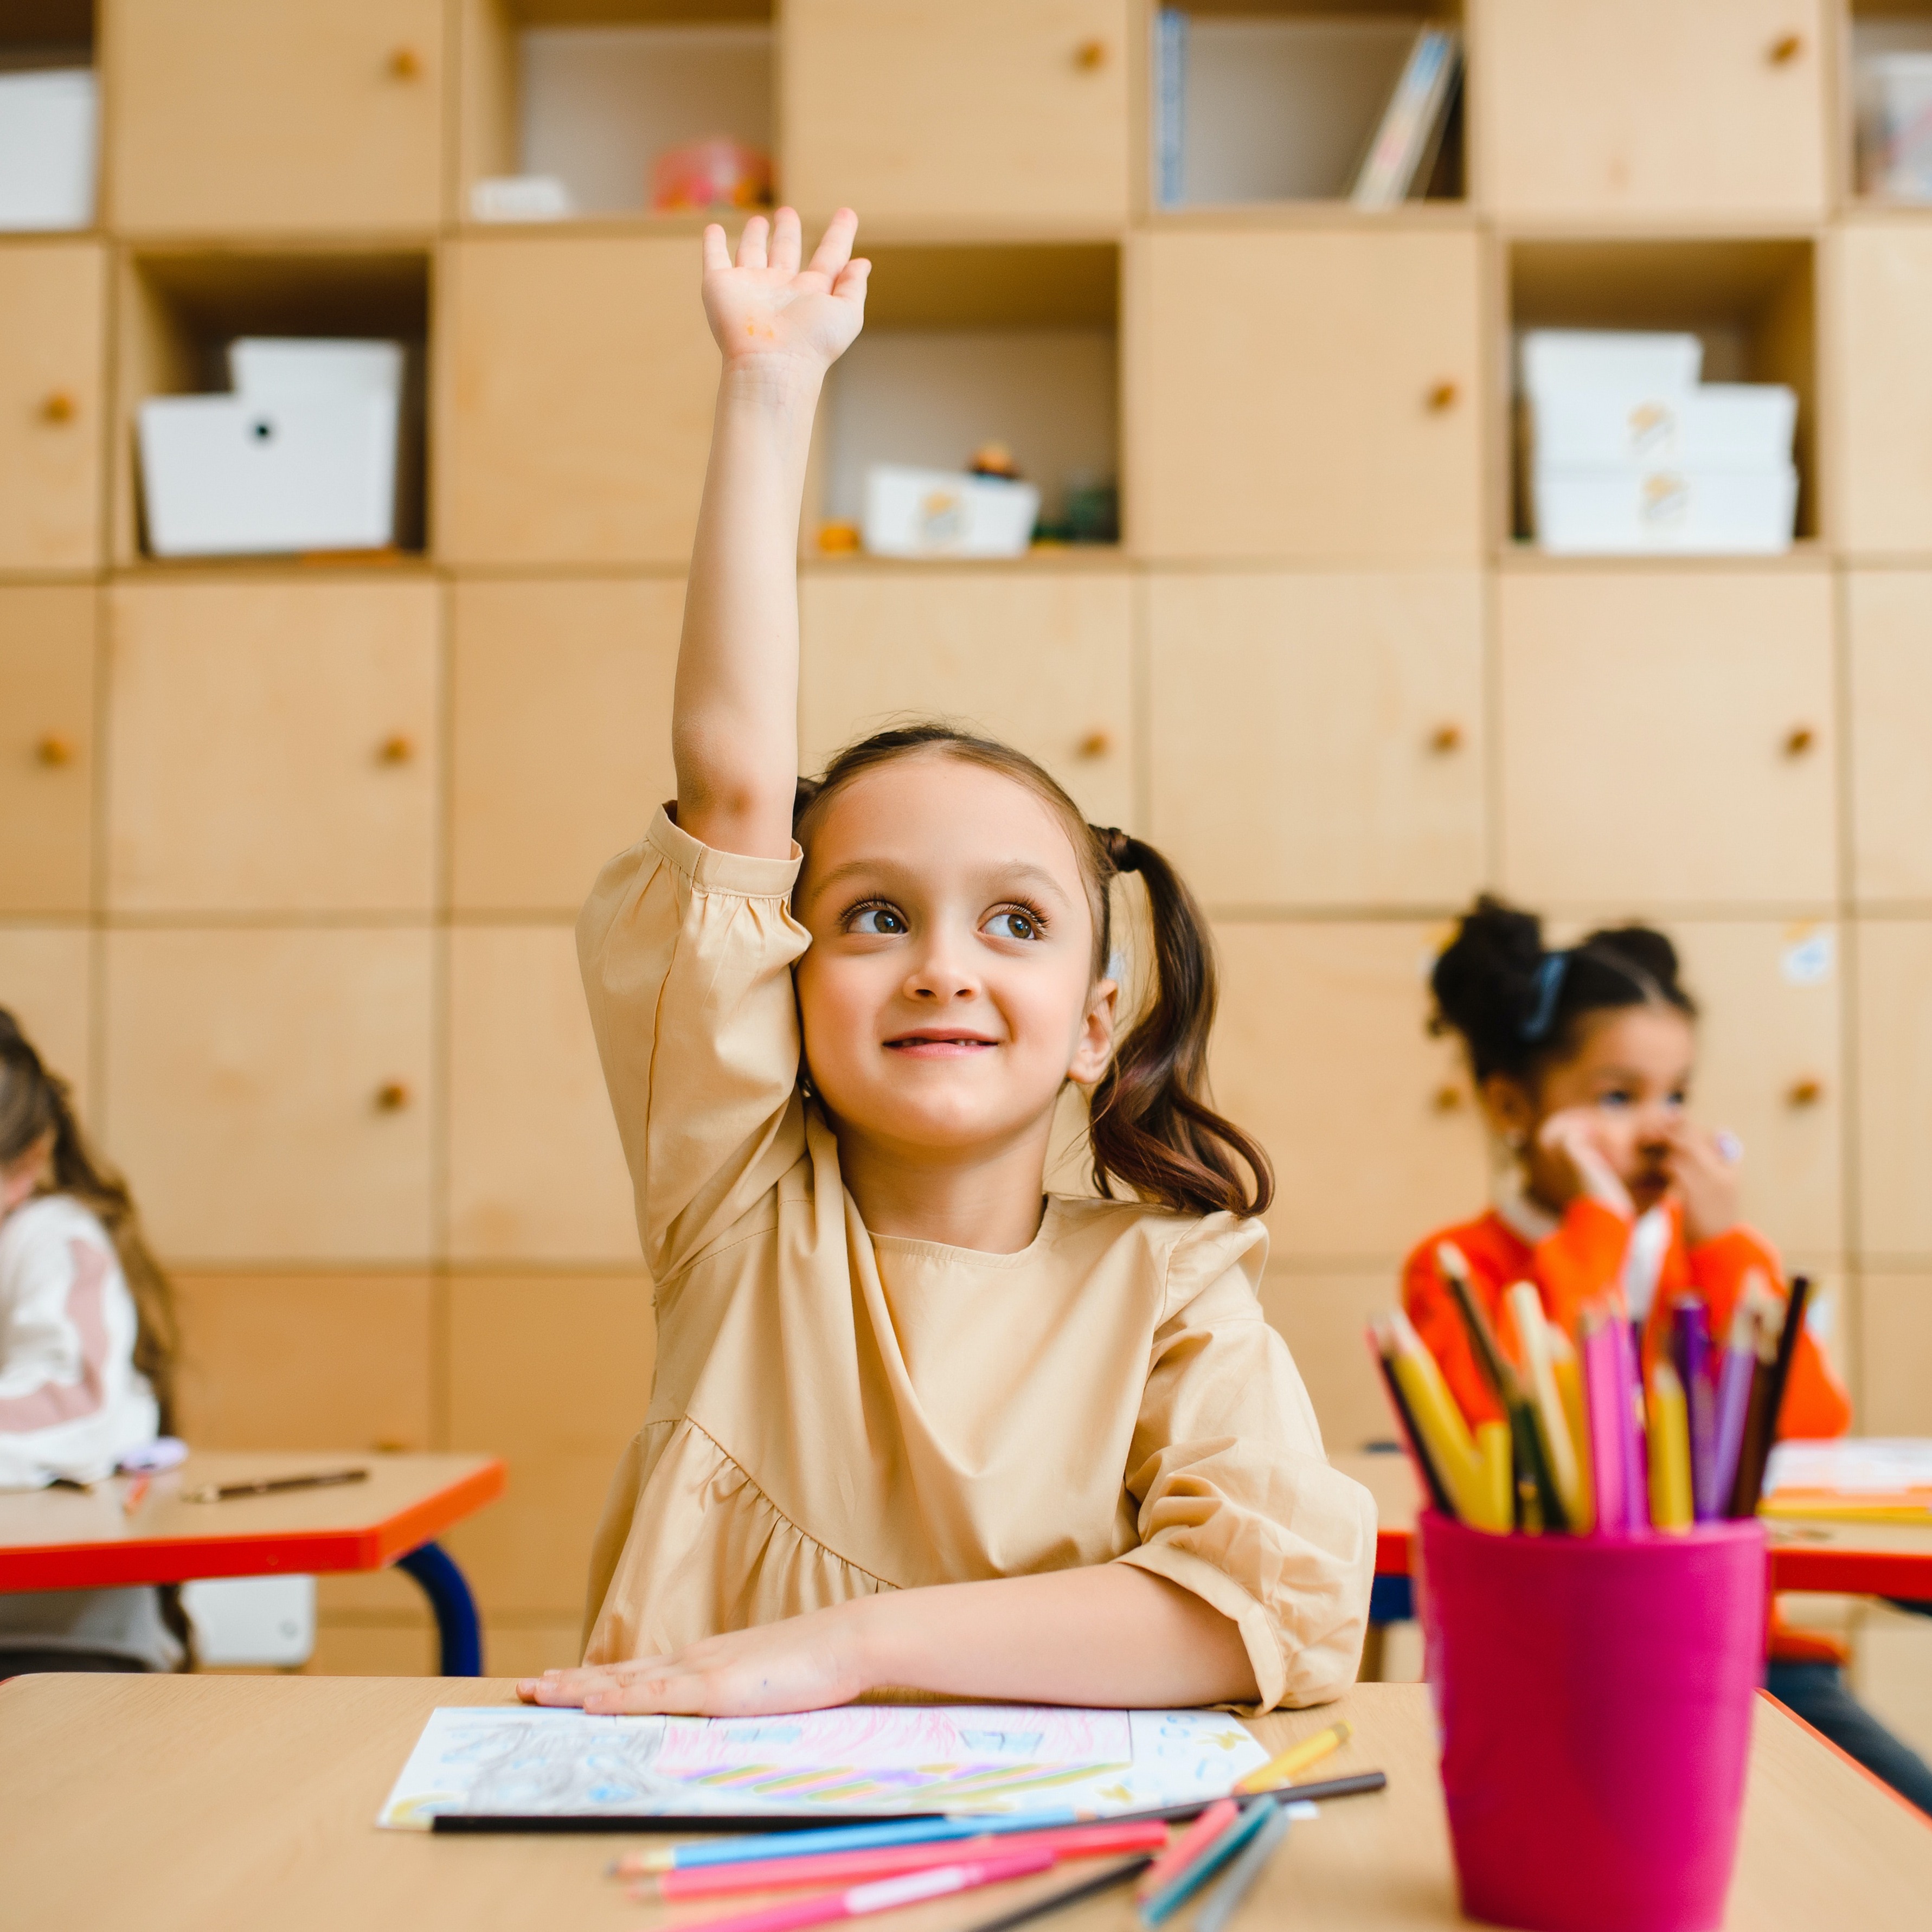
(1837, 1573)
(180, 1559)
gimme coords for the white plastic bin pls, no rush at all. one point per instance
(1632, 509)
(47, 148)
(1717, 425)
(1662, 362)
(940, 513)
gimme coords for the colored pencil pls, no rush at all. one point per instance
(1438, 1418)
(1733, 1404)
(869, 1837)
(1381, 1347)
(1247, 1865)
(135, 1494)
(1071, 1895)
(1278, 1771)
(1545, 1402)
(1690, 1350)
(828, 1868)
(1568, 1372)
(885, 1894)
(1187, 1846)
(1495, 1455)
(1160, 1906)
(1670, 1503)
(1629, 1379)
(1608, 1403)
(1497, 1372)
(273, 1485)
(1795, 1304)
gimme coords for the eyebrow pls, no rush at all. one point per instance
(1018, 872)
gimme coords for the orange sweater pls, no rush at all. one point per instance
(1583, 1259)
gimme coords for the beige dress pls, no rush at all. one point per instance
(835, 1412)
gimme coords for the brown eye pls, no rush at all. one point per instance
(1012, 924)
(879, 920)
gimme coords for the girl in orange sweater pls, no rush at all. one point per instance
(1582, 1059)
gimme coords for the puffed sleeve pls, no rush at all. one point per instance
(1238, 1502)
(687, 955)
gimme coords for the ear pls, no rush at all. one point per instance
(1510, 1109)
(1094, 1047)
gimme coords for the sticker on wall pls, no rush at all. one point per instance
(1809, 953)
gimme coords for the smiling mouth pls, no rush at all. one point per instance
(940, 1045)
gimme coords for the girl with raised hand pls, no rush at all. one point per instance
(916, 1422)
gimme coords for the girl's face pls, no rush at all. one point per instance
(1632, 1069)
(948, 994)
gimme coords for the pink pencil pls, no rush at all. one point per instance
(821, 1868)
(1605, 1398)
(885, 1894)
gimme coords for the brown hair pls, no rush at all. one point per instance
(1149, 1122)
(34, 1102)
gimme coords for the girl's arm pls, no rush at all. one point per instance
(1108, 1635)
(734, 717)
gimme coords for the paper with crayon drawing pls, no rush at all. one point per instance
(862, 1760)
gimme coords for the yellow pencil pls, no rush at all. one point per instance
(1545, 1402)
(1496, 1455)
(1670, 1451)
(1278, 1771)
(1569, 1373)
(1445, 1435)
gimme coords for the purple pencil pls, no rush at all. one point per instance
(1636, 1467)
(1691, 1334)
(1605, 1400)
(1734, 1387)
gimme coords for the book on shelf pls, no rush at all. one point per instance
(1401, 155)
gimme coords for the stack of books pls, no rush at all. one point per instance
(1626, 451)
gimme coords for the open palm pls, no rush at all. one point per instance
(764, 305)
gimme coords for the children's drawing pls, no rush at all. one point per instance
(862, 1759)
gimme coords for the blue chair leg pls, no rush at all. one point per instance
(1391, 1600)
(455, 1608)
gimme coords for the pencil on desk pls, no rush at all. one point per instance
(1278, 1771)
(135, 1494)
(1058, 1901)
(1157, 1907)
(273, 1485)
(1234, 1884)
(886, 1894)
(758, 1843)
(1207, 1827)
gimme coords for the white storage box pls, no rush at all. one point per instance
(1716, 426)
(1573, 359)
(46, 148)
(234, 476)
(1635, 507)
(262, 1621)
(937, 513)
(301, 457)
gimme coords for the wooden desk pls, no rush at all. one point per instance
(1850, 1559)
(201, 1804)
(66, 1540)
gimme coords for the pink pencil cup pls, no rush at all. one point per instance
(1595, 1696)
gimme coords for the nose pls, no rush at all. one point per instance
(940, 975)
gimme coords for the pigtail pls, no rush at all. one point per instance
(1149, 1125)
(35, 1101)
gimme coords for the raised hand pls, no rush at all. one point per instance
(764, 307)
(1704, 1174)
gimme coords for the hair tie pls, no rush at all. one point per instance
(1549, 991)
(1120, 849)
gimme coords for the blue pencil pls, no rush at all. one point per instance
(1183, 1885)
(837, 1838)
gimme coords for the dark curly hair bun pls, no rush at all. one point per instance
(1517, 1004)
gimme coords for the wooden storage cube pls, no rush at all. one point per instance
(1039, 658)
(536, 1169)
(1752, 303)
(1322, 1052)
(1312, 395)
(1007, 113)
(53, 390)
(553, 1374)
(1771, 995)
(1653, 109)
(1325, 1318)
(589, 93)
(273, 746)
(579, 379)
(1895, 1086)
(1317, 739)
(46, 977)
(304, 114)
(1884, 387)
(560, 733)
(47, 747)
(1280, 100)
(1667, 736)
(180, 307)
(1894, 1342)
(304, 1361)
(1888, 639)
(268, 1091)
(967, 346)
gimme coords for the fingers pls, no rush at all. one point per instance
(751, 243)
(850, 286)
(834, 245)
(787, 241)
(717, 250)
